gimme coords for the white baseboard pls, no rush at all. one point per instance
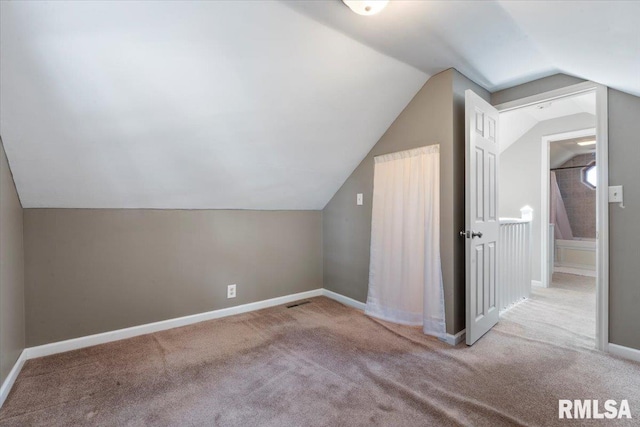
(120, 334)
(344, 300)
(537, 283)
(455, 339)
(11, 378)
(576, 271)
(626, 352)
(77, 343)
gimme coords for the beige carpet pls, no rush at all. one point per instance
(322, 363)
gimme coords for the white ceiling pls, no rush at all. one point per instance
(245, 105)
(562, 151)
(515, 123)
(594, 40)
(499, 44)
(258, 105)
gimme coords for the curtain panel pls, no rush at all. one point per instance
(405, 274)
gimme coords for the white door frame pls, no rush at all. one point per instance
(544, 191)
(602, 202)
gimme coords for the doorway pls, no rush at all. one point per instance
(568, 204)
(582, 110)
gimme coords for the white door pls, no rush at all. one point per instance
(481, 213)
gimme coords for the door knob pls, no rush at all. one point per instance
(470, 234)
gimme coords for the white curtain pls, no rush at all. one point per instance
(558, 215)
(405, 276)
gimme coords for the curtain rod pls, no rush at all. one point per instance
(573, 167)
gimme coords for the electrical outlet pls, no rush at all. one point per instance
(359, 199)
(231, 291)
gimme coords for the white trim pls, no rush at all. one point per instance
(563, 92)
(537, 283)
(513, 221)
(455, 339)
(91, 340)
(544, 193)
(11, 378)
(448, 338)
(602, 218)
(576, 271)
(626, 352)
(343, 299)
(120, 334)
(602, 203)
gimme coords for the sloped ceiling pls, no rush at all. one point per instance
(499, 44)
(192, 105)
(515, 123)
(258, 105)
(563, 151)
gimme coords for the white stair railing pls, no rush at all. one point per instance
(514, 254)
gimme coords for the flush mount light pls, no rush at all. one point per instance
(585, 143)
(366, 7)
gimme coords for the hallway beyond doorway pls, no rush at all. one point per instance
(563, 314)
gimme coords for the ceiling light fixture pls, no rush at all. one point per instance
(366, 7)
(585, 143)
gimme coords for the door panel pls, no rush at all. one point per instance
(479, 273)
(481, 213)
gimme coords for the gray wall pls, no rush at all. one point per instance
(91, 271)
(535, 87)
(12, 328)
(624, 224)
(434, 116)
(522, 161)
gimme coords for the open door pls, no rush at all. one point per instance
(481, 216)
